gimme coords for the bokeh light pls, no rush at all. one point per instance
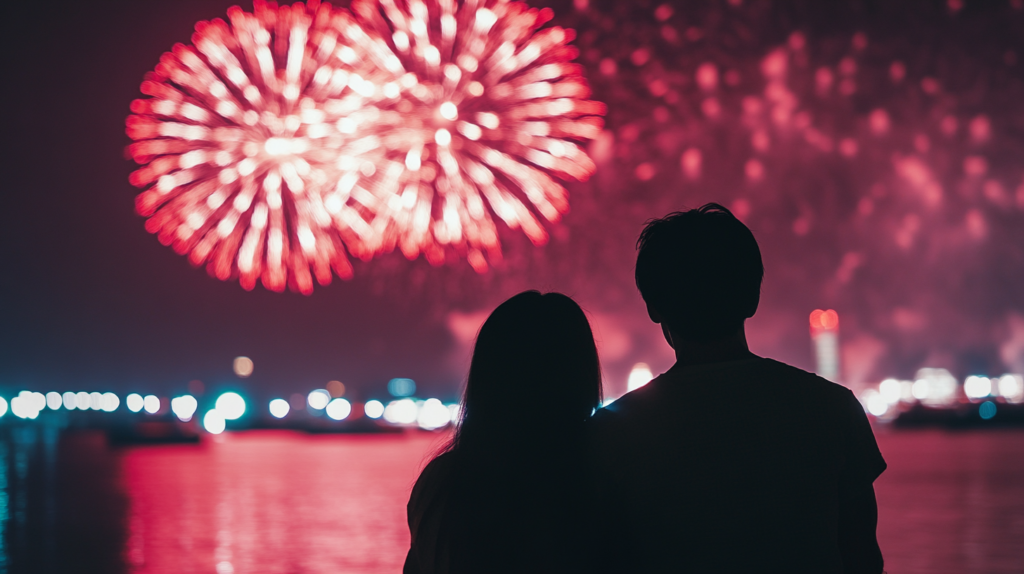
(639, 376)
(230, 405)
(339, 409)
(134, 402)
(827, 320)
(373, 409)
(875, 402)
(279, 408)
(151, 403)
(110, 402)
(38, 401)
(70, 400)
(243, 366)
(891, 390)
(987, 410)
(433, 415)
(336, 389)
(402, 387)
(184, 407)
(935, 386)
(28, 404)
(53, 400)
(403, 412)
(1011, 387)
(977, 387)
(318, 399)
(3, 406)
(213, 422)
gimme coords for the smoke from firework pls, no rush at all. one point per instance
(875, 155)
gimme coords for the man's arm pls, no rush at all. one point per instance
(858, 519)
(858, 509)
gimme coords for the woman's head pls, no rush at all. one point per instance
(534, 366)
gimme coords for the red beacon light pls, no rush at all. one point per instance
(824, 320)
(825, 342)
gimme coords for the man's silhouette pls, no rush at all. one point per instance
(729, 462)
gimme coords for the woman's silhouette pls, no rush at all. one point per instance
(507, 493)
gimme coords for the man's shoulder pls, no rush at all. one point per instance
(627, 403)
(821, 386)
(758, 371)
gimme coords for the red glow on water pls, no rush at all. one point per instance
(272, 502)
(287, 502)
(285, 140)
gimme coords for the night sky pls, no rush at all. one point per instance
(874, 148)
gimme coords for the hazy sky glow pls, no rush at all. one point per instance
(874, 149)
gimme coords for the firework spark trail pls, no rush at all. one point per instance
(284, 138)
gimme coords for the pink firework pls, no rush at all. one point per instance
(242, 152)
(476, 108)
(285, 138)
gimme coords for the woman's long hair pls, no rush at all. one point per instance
(516, 498)
(534, 373)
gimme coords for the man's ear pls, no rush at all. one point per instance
(654, 315)
(753, 305)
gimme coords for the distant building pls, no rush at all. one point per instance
(825, 339)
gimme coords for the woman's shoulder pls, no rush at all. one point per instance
(439, 468)
(424, 511)
(432, 477)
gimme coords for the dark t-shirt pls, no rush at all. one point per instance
(501, 512)
(743, 466)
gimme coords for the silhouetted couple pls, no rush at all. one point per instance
(728, 462)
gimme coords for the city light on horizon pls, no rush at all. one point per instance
(373, 409)
(279, 408)
(213, 422)
(184, 407)
(151, 404)
(639, 376)
(133, 401)
(230, 405)
(318, 399)
(338, 409)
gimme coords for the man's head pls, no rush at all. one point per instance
(699, 271)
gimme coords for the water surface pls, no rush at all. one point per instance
(269, 502)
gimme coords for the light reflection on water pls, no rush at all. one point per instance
(4, 514)
(272, 502)
(286, 502)
(952, 502)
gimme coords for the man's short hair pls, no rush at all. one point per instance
(701, 271)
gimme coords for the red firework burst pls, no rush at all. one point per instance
(240, 149)
(476, 109)
(286, 137)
